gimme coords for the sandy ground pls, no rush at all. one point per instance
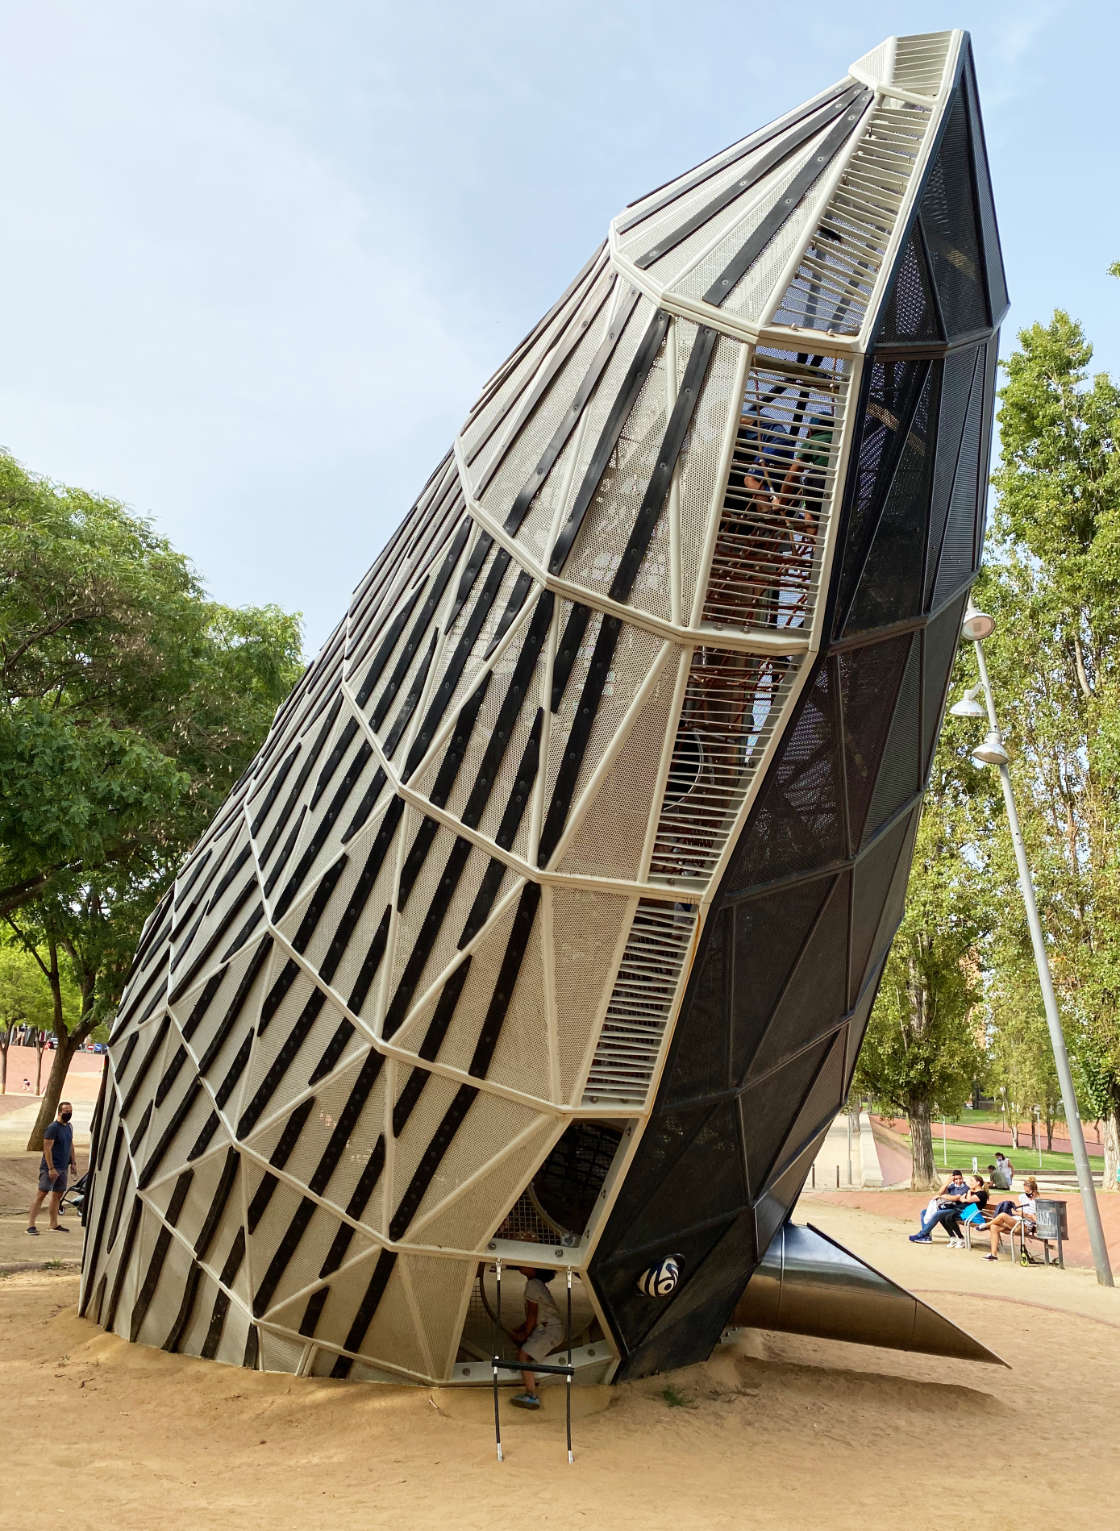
(774, 1432)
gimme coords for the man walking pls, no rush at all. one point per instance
(57, 1163)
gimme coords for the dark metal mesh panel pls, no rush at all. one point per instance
(940, 640)
(768, 1107)
(955, 564)
(816, 995)
(770, 933)
(956, 386)
(993, 259)
(896, 898)
(568, 1183)
(703, 1304)
(773, 1207)
(857, 1025)
(824, 1100)
(910, 312)
(890, 588)
(899, 771)
(705, 1180)
(798, 819)
(949, 220)
(871, 882)
(700, 1063)
(889, 400)
(633, 1315)
(869, 682)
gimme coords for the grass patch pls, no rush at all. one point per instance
(675, 1399)
(1025, 1160)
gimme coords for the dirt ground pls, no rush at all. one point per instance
(774, 1432)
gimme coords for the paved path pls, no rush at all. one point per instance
(998, 1137)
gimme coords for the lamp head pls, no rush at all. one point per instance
(968, 706)
(991, 752)
(977, 624)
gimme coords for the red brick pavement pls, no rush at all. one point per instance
(998, 1137)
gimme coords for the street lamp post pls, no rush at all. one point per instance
(977, 626)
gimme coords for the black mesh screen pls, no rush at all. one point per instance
(955, 564)
(890, 589)
(871, 882)
(956, 387)
(568, 1183)
(779, 1196)
(798, 820)
(892, 389)
(770, 1106)
(940, 640)
(770, 933)
(857, 1025)
(705, 1180)
(949, 220)
(993, 260)
(896, 898)
(704, 1302)
(700, 1060)
(816, 996)
(899, 771)
(869, 682)
(910, 313)
(821, 1104)
(630, 1312)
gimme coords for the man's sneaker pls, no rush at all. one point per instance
(956, 1243)
(525, 1401)
(34, 1231)
(920, 1238)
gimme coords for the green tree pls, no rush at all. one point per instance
(1054, 585)
(129, 705)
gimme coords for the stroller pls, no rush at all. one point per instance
(76, 1197)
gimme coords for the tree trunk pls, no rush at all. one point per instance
(4, 1045)
(38, 1063)
(65, 1048)
(1111, 1137)
(66, 1044)
(923, 1176)
(1013, 1127)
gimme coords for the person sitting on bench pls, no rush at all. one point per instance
(1023, 1217)
(971, 1210)
(951, 1194)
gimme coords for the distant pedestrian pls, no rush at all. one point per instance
(57, 1162)
(27, 1084)
(1001, 1174)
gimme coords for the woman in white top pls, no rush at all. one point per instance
(1023, 1216)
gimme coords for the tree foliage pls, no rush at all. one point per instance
(129, 705)
(1053, 583)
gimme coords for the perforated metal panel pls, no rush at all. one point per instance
(550, 912)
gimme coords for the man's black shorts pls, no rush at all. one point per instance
(45, 1181)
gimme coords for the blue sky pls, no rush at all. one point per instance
(260, 257)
